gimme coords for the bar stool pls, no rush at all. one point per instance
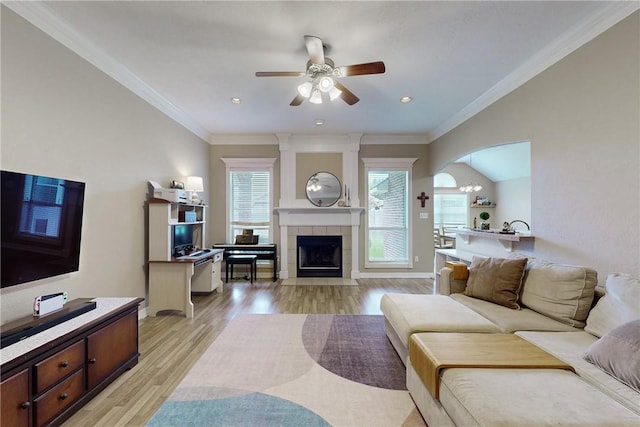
(249, 260)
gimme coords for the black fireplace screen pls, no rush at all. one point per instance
(319, 256)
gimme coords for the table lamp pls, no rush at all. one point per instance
(194, 185)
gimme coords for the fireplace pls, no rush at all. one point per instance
(319, 256)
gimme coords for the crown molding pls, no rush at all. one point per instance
(39, 15)
(574, 38)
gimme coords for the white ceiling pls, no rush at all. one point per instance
(501, 162)
(189, 58)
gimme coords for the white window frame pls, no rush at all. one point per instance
(234, 164)
(389, 164)
(448, 190)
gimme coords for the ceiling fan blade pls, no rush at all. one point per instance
(280, 74)
(346, 94)
(315, 49)
(361, 69)
(297, 100)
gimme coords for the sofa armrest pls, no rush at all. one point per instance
(448, 285)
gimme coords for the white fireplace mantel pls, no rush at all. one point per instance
(316, 216)
(319, 216)
(293, 212)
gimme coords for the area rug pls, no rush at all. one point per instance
(295, 370)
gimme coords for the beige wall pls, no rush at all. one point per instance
(217, 230)
(422, 180)
(308, 164)
(582, 118)
(62, 117)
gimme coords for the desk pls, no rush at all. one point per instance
(267, 251)
(171, 282)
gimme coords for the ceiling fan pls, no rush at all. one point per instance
(322, 73)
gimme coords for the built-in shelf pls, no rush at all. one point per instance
(492, 205)
(507, 240)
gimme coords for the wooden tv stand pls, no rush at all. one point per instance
(49, 376)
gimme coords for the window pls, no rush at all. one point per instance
(450, 209)
(388, 213)
(249, 197)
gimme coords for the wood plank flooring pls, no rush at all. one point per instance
(170, 344)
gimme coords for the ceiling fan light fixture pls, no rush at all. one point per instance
(334, 93)
(325, 83)
(305, 89)
(316, 97)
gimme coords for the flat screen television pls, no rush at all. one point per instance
(182, 237)
(41, 227)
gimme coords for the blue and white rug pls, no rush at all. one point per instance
(295, 370)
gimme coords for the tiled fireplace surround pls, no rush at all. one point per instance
(295, 231)
(300, 217)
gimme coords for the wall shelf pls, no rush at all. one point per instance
(507, 240)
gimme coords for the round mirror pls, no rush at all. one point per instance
(323, 189)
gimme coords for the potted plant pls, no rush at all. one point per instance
(484, 216)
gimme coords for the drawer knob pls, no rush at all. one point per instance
(64, 364)
(25, 405)
(63, 396)
(92, 360)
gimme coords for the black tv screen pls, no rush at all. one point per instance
(182, 236)
(41, 227)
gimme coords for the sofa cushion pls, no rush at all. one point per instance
(619, 305)
(618, 353)
(562, 292)
(527, 397)
(570, 348)
(496, 279)
(410, 313)
(509, 320)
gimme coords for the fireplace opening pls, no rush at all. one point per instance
(319, 256)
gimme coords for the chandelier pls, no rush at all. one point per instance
(470, 187)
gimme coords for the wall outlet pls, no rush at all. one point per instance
(424, 215)
(416, 259)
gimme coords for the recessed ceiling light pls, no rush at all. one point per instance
(406, 99)
(236, 100)
(319, 122)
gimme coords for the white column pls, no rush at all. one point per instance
(284, 244)
(287, 165)
(350, 167)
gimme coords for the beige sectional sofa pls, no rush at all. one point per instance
(554, 313)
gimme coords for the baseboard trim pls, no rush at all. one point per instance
(397, 275)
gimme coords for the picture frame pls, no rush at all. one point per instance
(177, 184)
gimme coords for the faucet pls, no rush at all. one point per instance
(519, 220)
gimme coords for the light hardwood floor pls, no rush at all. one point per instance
(170, 344)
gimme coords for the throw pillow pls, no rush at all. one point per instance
(620, 304)
(562, 292)
(496, 279)
(618, 353)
